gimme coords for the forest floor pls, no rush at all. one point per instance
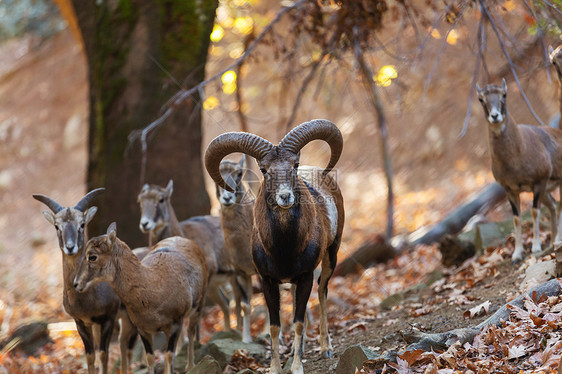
(43, 116)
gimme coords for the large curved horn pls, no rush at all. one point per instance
(228, 143)
(320, 129)
(85, 201)
(52, 204)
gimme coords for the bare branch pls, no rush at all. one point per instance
(385, 50)
(304, 86)
(552, 6)
(481, 36)
(411, 19)
(506, 53)
(441, 51)
(183, 95)
(381, 118)
(421, 48)
(541, 35)
(241, 116)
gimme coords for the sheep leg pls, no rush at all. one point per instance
(127, 339)
(558, 238)
(245, 282)
(147, 342)
(302, 294)
(238, 295)
(271, 294)
(515, 207)
(307, 315)
(538, 193)
(172, 336)
(218, 297)
(88, 340)
(191, 331)
(550, 203)
(105, 338)
(328, 266)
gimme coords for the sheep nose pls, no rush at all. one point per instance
(494, 116)
(144, 224)
(70, 248)
(285, 196)
(75, 285)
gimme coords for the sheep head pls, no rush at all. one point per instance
(278, 163)
(70, 223)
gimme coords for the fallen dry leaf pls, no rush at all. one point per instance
(478, 310)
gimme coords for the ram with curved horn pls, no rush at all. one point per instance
(97, 308)
(298, 222)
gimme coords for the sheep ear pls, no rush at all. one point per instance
(90, 213)
(49, 216)
(145, 187)
(242, 162)
(504, 85)
(112, 232)
(170, 187)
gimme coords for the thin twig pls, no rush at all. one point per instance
(503, 29)
(385, 50)
(321, 78)
(552, 6)
(304, 86)
(541, 34)
(440, 53)
(241, 116)
(421, 48)
(381, 118)
(412, 20)
(506, 53)
(315, 65)
(481, 36)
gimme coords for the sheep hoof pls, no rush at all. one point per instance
(516, 260)
(328, 354)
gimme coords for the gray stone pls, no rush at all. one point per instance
(223, 349)
(491, 234)
(207, 365)
(390, 301)
(231, 334)
(353, 358)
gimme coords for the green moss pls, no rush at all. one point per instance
(185, 26)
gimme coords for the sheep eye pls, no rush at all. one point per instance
(92, 258)
(57, 227)
(263, 171)
(82, 225)
(296, 166)
(161, 201)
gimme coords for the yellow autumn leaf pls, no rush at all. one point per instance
(452, 37)
(217, 33)
(228, 77)
(210, 103)
(435, 34)
(244, 25)
(509, 5)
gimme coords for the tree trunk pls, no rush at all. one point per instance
(136, 49)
